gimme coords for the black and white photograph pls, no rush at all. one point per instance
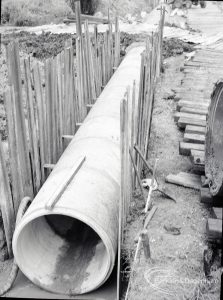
(111, 149)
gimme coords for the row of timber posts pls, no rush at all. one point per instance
(45, 104)
(135, 127)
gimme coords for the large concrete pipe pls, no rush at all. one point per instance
(214, 141)
(71, 249)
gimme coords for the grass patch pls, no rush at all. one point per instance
(33, 12)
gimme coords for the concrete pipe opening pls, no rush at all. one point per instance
(63, 254)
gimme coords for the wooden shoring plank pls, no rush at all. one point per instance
(194, 102)
(198, 169)
(14, 77)
(53, 102)
(104, 80)
(185, 179)
(185, 148)
(111, 50)
(133, 128)
(78, 18)
(179, 115)
(198, 160)
(195, 98)
(195, 129)
(194, 138)
(6, 203)
(76, 102)
(41, 116)
(214, 229)
(66, 115)
(9, 102)
(93, 57)
(60, 101)
(117, 42)
(55, 112)
(33, 140)
(122, 195)
(200, 153)
(84, 70)
(109, 55)
(217, 211)
(86, 66)
(205, 196)
(151, 76)
(72, 94)
(79, 84)
(81, 80)
(140, 110)
(183, 122)
(195, 111)
(48, 154)
(100, 67)
(92, 77)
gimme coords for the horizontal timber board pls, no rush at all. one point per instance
(185, 148)
(195, 129)
(214, 228)
(194, 138)
(179, 115)
(185, 179)
(183, 122)
(217, 212)
(195, 111)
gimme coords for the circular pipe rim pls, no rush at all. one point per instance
(28, 218)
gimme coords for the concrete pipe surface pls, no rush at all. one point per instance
(72, 248)
(214, 141)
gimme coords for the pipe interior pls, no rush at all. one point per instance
(62, 254)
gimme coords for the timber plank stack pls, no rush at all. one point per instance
(193, 99)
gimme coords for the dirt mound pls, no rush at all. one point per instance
(171, 47)
(40, 46)
(174, 46)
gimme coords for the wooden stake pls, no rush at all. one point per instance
(6, 203)
(41, 116)
(145, 243)
(9, 102)
(33, 141)
(20, 129)
(137, 174)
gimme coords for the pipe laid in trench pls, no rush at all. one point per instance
(71, 249)
(214, 141)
